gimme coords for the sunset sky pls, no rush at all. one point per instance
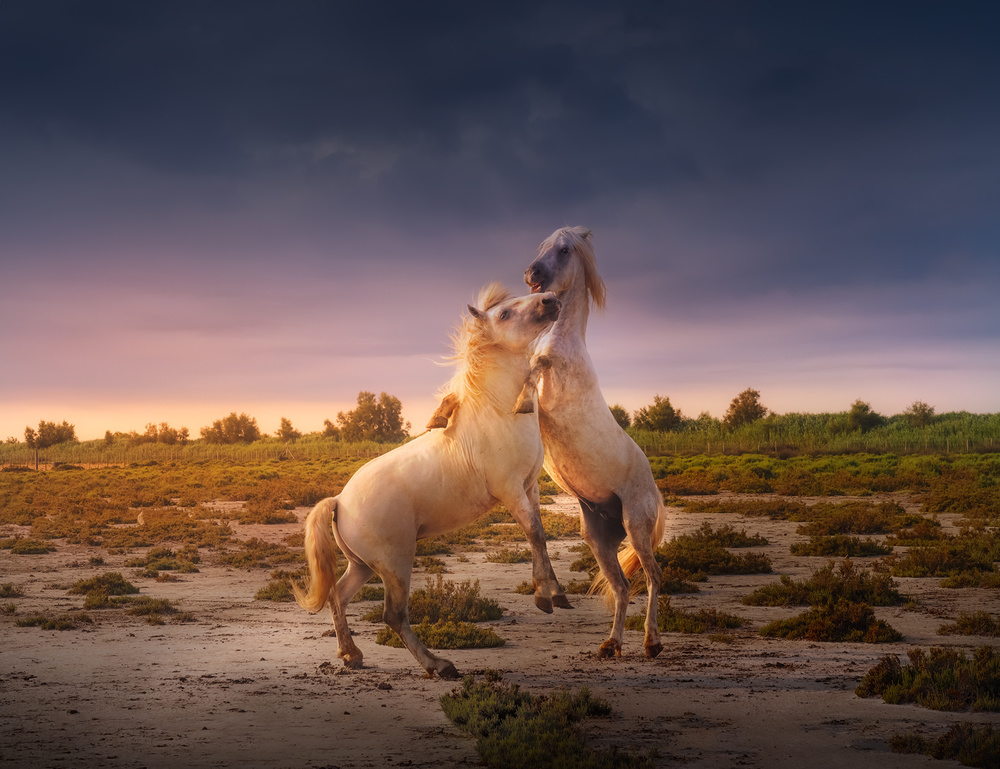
(267, 207)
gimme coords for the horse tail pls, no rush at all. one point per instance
(629, 559)
(321, 555)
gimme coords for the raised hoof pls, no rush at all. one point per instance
(609, 649)
(652, 650)
(449, 672)
(561, 602)
(544, 604)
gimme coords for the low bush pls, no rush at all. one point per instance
(514, 729)
(256, 553)
(69, 621)
(841, 621)
(111, 583)
(976, 745)
(978, 623)
(508, 555)
(671, 620)
(445, 635)
(840, 545)
(10, 590)
(843, 582)
(945, 679)
(446, 601)
(27, 546)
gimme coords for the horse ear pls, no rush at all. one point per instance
(477, 314)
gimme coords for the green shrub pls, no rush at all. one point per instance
(276, 590)
(70, 621)
(508, 555)
(514, 729)
(830, 585)
(976, 745)
(26, 546)
(671, 620)
(842, 621)
(445, 635)
(10, 590)
(256, 553)
(446, 601)
(943, 680)
(111, 583)
(840, 545)
(978, 623)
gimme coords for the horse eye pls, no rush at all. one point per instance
(504, 314)
(564, 251)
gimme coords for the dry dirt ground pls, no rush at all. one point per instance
(256, 683)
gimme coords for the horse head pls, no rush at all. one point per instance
(566, 260)
(514, 323)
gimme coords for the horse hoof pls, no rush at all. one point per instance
(561, 601)
(449, 672)
(609, 649)
(652, 650)
(353, 662)
(544, 604)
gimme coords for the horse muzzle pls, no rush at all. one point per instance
(537, 278)
(550, 306)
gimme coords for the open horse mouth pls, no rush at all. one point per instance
(536, 288)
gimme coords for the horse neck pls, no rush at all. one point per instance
(503, 375)
(571, 325)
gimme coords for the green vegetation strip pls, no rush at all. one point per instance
(514, 729)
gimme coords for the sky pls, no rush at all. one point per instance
(269, 207)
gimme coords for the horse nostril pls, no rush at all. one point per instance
(549, 300)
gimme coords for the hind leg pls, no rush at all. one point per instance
(640, 530)
(397, 616)
(356, 575)
(602, 529)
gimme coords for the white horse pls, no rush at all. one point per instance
(441, 480)
(586, 452)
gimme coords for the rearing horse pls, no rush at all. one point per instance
(441, 480)
(586, 452)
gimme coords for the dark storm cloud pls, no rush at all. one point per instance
(763, 178)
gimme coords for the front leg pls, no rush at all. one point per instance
(526, 512)
(525, 403)
(444, 412)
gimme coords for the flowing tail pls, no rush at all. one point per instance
(321, 555)
(629, 559)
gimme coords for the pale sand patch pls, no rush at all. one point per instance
(256, 683)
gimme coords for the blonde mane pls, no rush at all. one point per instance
(580, 238)
(470, 341)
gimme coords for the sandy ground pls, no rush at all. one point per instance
(257, 683)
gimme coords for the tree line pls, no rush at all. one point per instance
(746, 408)
(379, 419)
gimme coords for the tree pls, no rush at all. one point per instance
(330, 430)
(286, 432)
(744, 409)
(658, 416)
(621, 416)
(862, 418)
(919, 414)
(232, 429)
(49, 434)
(378, 420)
